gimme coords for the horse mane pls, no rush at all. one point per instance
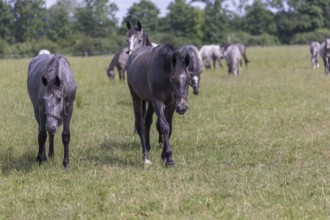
(146, 39)
(114, 61)
(51, 69)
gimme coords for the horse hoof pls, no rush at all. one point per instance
(170, 164)
(147, 162)
(66, 164)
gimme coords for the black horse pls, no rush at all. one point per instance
(136, 37)
(158, 77)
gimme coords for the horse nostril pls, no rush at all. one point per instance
(51, 129)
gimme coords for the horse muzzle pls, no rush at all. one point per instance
(181, 106)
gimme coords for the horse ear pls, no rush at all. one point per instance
(44, 81)
(128, 24)
(187, 60)
(57, 81)
(139, 25)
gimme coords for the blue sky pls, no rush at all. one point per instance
(123, 5)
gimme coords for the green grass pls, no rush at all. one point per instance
(252, 147)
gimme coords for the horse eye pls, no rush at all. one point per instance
(58, 99)
(140, 41)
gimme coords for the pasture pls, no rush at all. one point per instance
(252, 147)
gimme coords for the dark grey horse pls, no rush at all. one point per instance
(314, 49)
(195, 65)
(136, 37)
(325, 54)
(158, 77)
(120, 62)
(52, 90)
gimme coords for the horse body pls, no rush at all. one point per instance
(157, 77)
(52, 90)
(211, 54)
(242, 49)
(195, 65)
(233, 58)
(325, 54)
(120, 62)
(314, 50)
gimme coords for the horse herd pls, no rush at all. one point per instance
(323, 50)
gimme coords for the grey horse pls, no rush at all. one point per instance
(233, 58)
(211, 54)
(195, 65)
(52, 90)
(242, 49)
(314, 50)
(120, 62)
(325, 54)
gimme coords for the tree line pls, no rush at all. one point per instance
(91, 26)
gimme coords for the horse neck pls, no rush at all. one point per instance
(147, 42)
(114, 61)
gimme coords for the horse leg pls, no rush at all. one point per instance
(51, 146)
(42, 136)
(66, 134)
(160, 136)
(140, 125)
(165, 130)
(119, 73)
(148, 122)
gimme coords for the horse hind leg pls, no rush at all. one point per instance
(66, 135)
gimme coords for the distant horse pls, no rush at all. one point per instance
(120, 62)
(158, 77)
(195, 65)
(233, 58)
(325, 54)
(314, 50)
(43, 51)
(136, 37)
(242, 49)
(211, 54)
(52, 90)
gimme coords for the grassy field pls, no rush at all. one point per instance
(252, 147)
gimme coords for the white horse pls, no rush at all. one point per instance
(314, 50)
(233, 59)
(211, 54)
(43, 51)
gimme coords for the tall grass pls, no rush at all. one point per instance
(252, 147)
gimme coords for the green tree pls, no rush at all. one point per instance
(96, 18)
(6, 22)
(259, 20)
(184, 20)
(59, 24)
(146, 12)
(29, 20)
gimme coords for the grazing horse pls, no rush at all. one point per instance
(43, 51)
(233, 58)
(120, 62)
(325, 54)
(136, 37)
(158, 77)
(195, 65)
(52, 90)
(211, 54)
(242, 49)
(314, 50)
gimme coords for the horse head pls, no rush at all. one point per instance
(136, 37)
(179, 81)
(53, 100)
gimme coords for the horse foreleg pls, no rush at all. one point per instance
(160, 135)
(66, 134)
(42, 136)
(165, 130)
(51, 146)
(148, 122)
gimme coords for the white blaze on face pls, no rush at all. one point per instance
(195, 80)
(131, 44)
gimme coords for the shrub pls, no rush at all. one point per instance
(306, 38)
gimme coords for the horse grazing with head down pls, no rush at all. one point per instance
(314, 50)
(325, 54)
(120, 62)
(136, 37)
(195, 65)
(52, 90)
(158, 77)
(233, 58)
